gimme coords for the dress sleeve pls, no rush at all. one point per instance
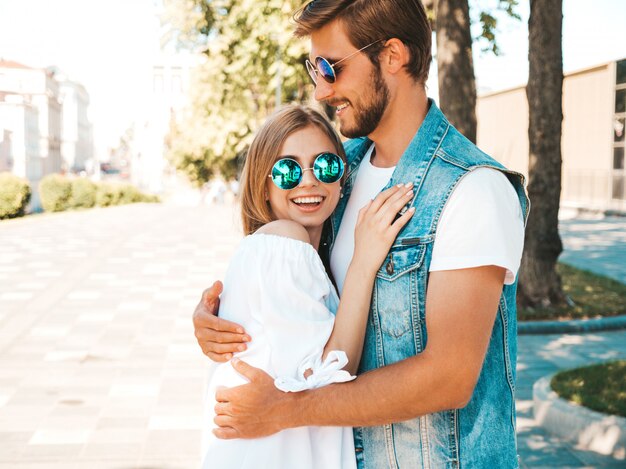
(292, 291)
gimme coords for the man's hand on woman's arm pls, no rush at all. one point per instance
(218, 338)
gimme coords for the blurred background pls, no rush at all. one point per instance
(139, 89)
(126, 124)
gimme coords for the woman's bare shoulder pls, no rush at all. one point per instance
(287, 229)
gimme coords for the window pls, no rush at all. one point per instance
(618, 187)
(618, 158)
(620, 101)
(157, 84)
(177, 86)
(621, 72)
(618, 129)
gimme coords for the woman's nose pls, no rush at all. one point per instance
(308, 178)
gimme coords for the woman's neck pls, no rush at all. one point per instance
(315, 235)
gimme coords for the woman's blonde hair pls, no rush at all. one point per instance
(265, 148)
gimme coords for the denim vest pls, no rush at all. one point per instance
(482, 434)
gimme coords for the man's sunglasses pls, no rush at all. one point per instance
(325, 69)
(287, 172)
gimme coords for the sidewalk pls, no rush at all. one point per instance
(98, 363)
(541, 355)
(596, 245)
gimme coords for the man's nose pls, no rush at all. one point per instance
(323, 90)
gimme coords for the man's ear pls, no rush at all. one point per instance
(394, 56)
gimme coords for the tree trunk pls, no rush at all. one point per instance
(457, 87)
(539, 283)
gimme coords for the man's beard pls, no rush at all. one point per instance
(367, 115)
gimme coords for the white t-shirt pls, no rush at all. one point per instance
(481, 224)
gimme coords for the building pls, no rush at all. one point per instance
(167, 98)
(30, 123)
(36, 87)
(44, 126)
(77, 131)
(19, 134)
(594, 101)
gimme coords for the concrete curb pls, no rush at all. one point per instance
(585, 428)
(575, 325)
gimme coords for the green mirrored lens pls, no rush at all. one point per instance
(286, 173)
(328, 168)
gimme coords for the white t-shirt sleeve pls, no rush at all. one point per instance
(481, 224)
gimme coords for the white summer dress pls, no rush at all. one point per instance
(278, 290)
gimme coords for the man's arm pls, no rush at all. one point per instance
(460, 311)
(218, 338)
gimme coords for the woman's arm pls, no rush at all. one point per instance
(374, 234)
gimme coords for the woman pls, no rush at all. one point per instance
(278, 289)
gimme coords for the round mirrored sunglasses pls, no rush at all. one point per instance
(287, 172)
(326, 70)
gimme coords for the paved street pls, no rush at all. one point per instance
(596, 245)
(542, 355)
(98, 364)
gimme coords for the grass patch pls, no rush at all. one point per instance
(593, 296)
(598, 387)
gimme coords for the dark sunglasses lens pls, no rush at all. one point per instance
(286, 174)
(328, 168)
(324, 68)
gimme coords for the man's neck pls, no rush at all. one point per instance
(403, 118)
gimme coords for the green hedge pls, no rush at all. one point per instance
(55, 192)
(109, 193)
(14, 195)
(60, 193)
(83, 193)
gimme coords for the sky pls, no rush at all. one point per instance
(591, 36)
(110, 46)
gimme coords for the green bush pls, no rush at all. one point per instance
(107, 194)
(14, 195)
(55, 191)
(129, 194)
(83, 193)
(150, 198)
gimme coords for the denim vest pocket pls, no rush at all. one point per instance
(405, 255)
(395, 304)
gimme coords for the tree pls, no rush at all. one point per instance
(539, 283)
(457, 86)
(249, 52)
(244, 42)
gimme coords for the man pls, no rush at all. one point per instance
(437, 374)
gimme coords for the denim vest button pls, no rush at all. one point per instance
(390, 265)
